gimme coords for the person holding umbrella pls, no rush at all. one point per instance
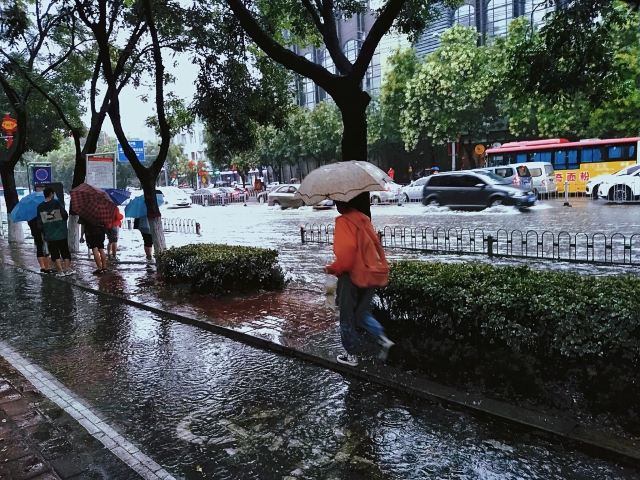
(95, 241)
(52, 219)
(360, 263)
(42, 249)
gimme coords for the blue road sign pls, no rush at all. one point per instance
(41, 175)
(138, 147)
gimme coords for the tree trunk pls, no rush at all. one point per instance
(16, 235)
(73, 239)
(353, 108)
(154, 215)
(469, 151)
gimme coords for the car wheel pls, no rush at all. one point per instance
(496, 202)
(375, 200)
(594, 193)
(535, 190)
(276, 203)
(433, 202)
(405, 198)
(261, 199)
(621, 194)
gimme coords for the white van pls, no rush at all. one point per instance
(543, 177)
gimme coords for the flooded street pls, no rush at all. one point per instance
(203, 406)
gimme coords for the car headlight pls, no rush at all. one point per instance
(517, 194)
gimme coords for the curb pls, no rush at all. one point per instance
(588, 439)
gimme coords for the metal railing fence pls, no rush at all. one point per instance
(597, 248)
(182, 225)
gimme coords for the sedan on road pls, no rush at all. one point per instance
(282, 196)
(475, 189)
(389, 194)
(413, 191)
(593, 185)
(203, 196)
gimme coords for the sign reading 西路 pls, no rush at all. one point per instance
(138, 148)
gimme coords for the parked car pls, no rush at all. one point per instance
(174, 197)
(515, 174)
(475, 189)
(389, 193)
(621, 188)
(593, 185)
(230, 192)
(187, 190)
(325, 205)
(203, 196)
(544, 177)
(413, 191)
(282, 196)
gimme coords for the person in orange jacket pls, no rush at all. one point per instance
(113, 231)
(360, 266)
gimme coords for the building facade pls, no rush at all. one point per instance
(193, 142)
(490, 17)
(351, 32)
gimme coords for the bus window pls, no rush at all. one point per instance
(542, 157)
(590, 155)
(632, 152)
(521, 158)
(615, 153)
(560, 160)
(572, 156)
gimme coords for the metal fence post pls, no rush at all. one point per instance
(302, 233)
(490, 246)
(198, 228)
(566, 194)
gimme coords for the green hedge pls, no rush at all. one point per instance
(521, 326)
(222, 270)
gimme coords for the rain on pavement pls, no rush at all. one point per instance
(204, 406)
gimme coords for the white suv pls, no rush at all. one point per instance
(593, 185)
(621, 188)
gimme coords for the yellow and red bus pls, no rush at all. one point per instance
(573, 162)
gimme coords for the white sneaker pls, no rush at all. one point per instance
(60, 274)
(385, 345)
(70, 272)
(346, 359)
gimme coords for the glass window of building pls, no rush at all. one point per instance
(466, 16)
(308, 89)
(351, 50)
(499, 14)
(373, 74)
(535, 10)
(327, 61)
(183, 139)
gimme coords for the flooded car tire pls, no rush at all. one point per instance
(621, 194)
(375, 200)
(495, 202)
(276, 203)
(405, 198)
(260, 199)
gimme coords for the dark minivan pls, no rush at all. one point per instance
(475, 189)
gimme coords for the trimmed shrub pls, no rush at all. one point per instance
(521, 326)
(221, 270)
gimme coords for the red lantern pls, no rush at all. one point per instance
(9, 125)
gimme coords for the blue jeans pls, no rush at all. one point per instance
(355, 313)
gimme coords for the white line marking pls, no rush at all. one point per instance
(78, 409)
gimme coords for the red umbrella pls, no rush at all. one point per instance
(92, 204)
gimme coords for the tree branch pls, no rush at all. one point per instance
(331, 40)
(277, 52)
(314, 15)
(381, 26)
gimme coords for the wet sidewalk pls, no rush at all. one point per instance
(39, 440)
(298, 323)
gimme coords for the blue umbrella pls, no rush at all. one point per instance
(27, 208)
(136, 208)
(117, 196)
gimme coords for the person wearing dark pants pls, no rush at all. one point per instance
(52, 220)
(95, 241)
(143, 225)
(361, 267)
(42, 250)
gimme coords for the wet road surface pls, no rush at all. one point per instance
(204, 406)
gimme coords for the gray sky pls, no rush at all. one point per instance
(134, 111)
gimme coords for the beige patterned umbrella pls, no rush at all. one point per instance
(341, 182)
